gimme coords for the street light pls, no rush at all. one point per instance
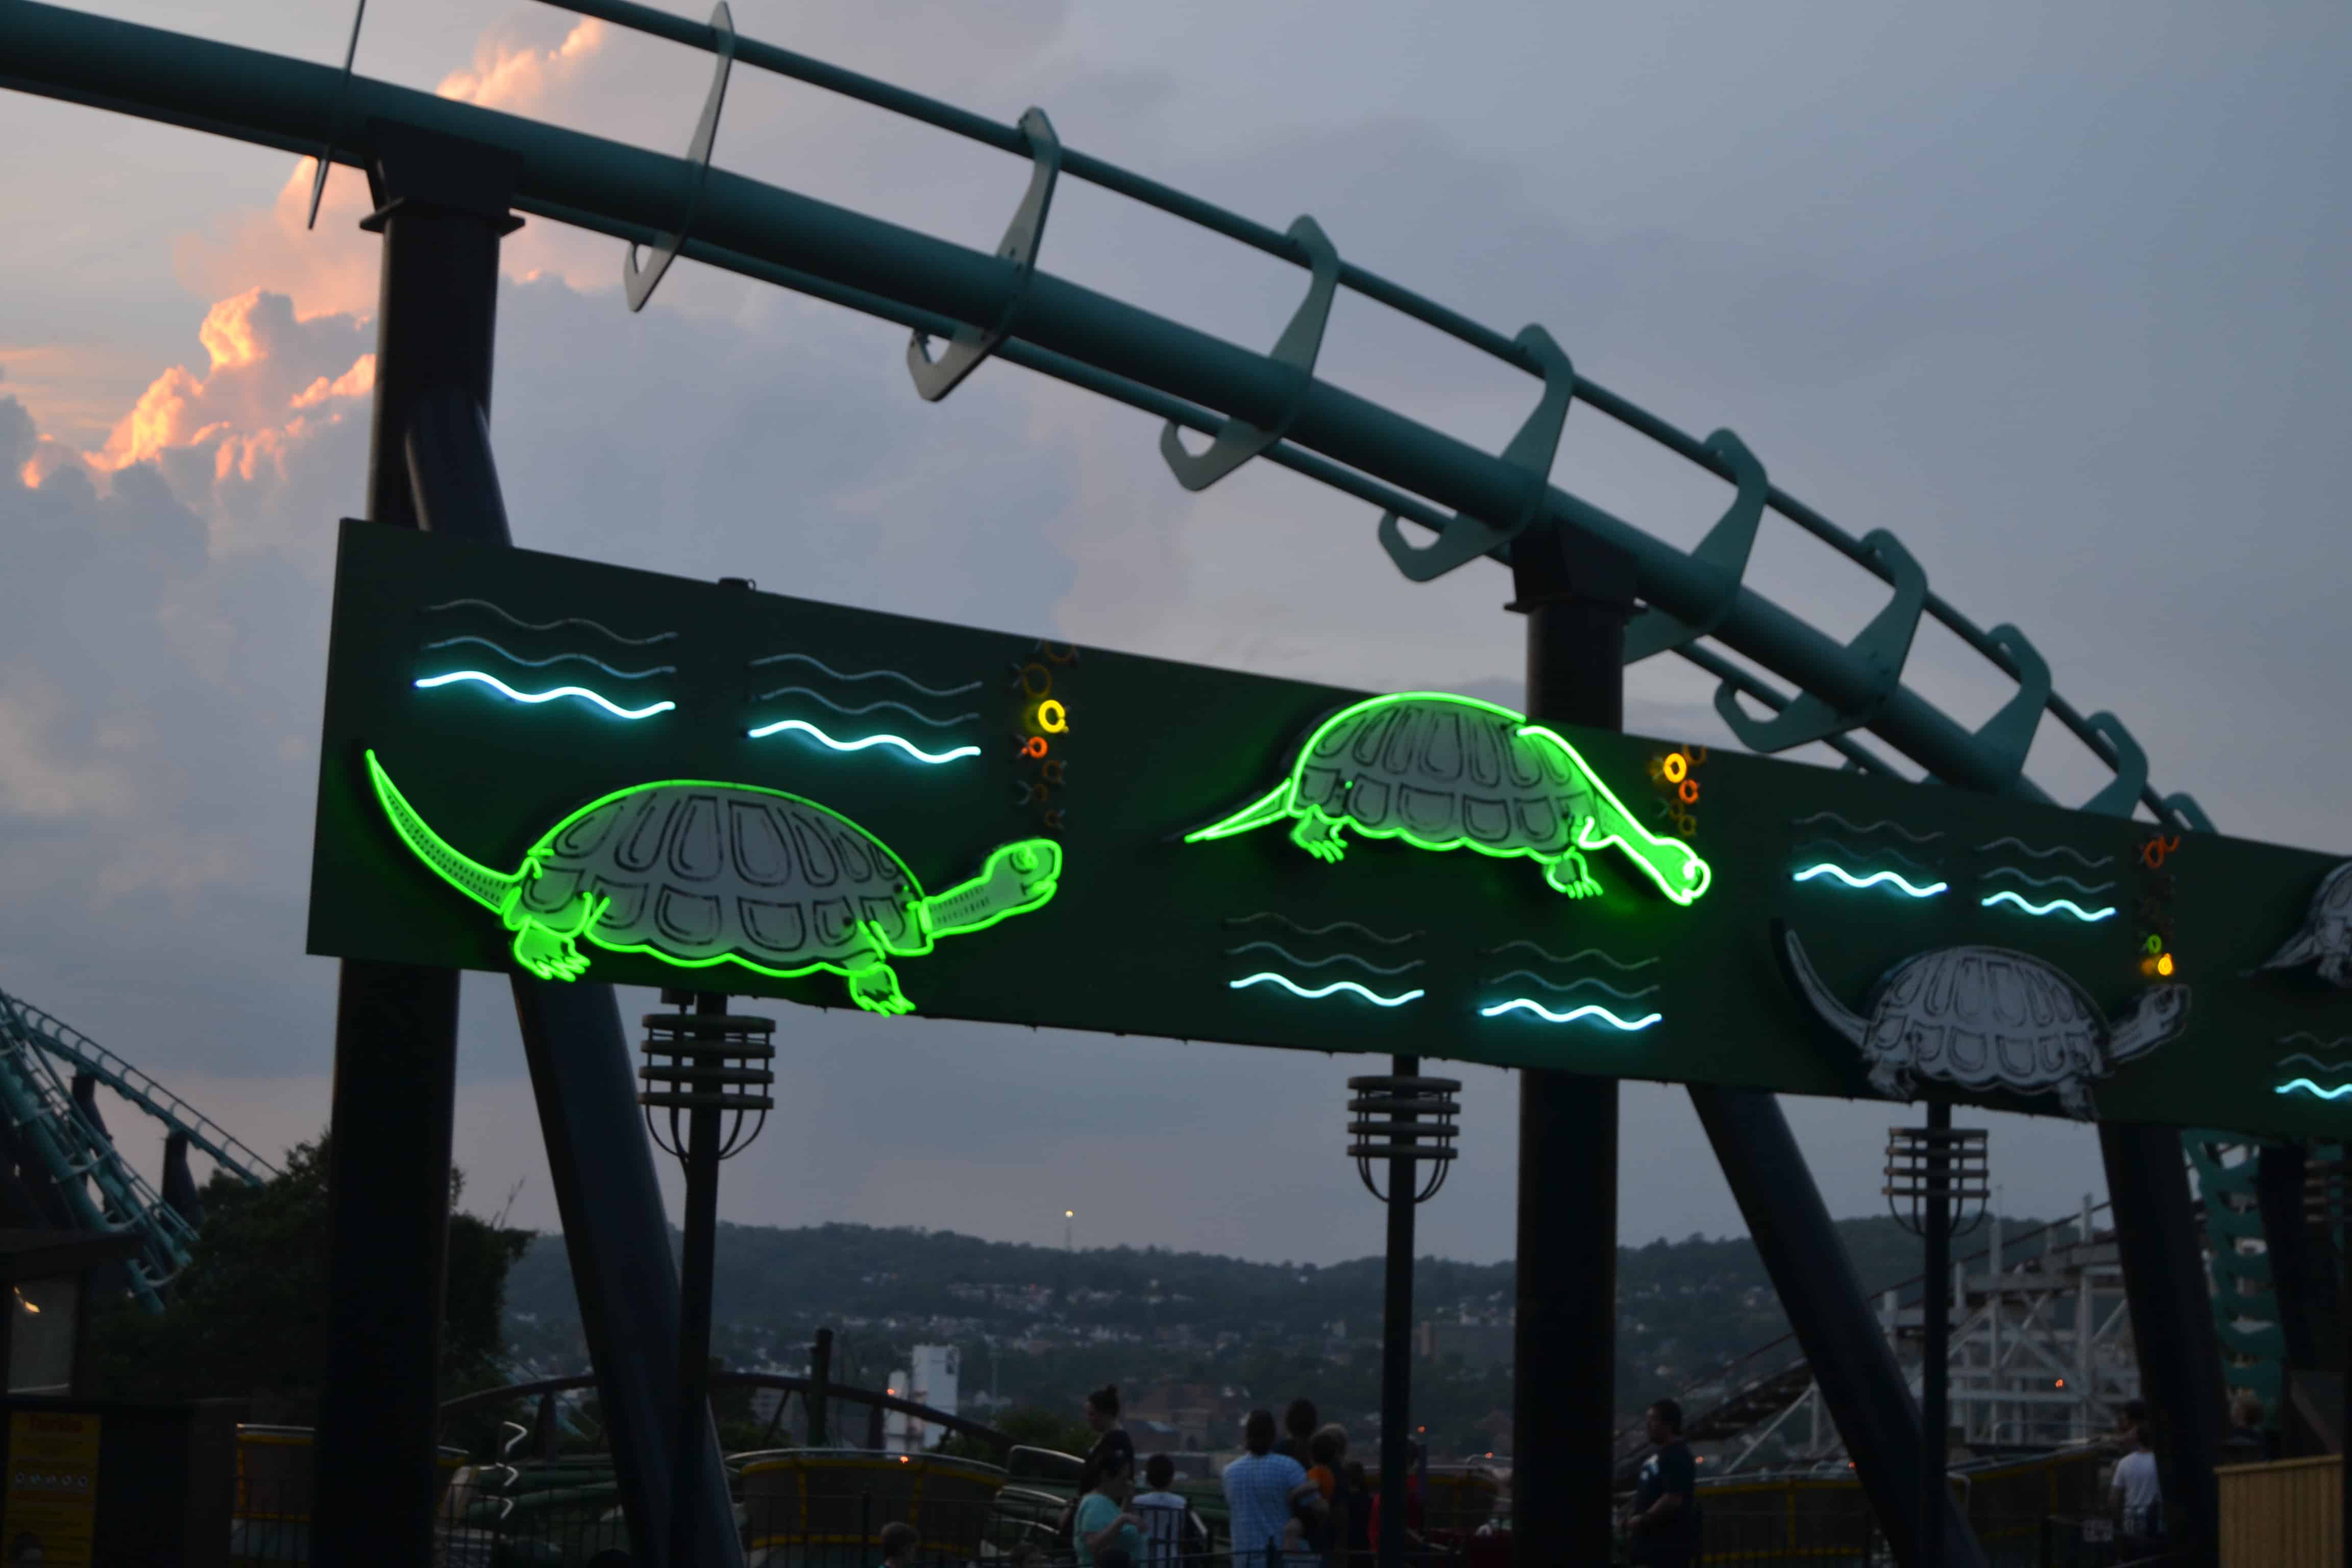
(699, 1070)
(1402, 1119)
(1933, 1175)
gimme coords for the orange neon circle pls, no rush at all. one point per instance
(1052, 717)
(1689, 792)
(1677, 767)
(1043, 674)
(1051, 771)
(1034, 746)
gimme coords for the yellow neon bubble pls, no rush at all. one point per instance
(2164, 964)
(1052, 717)
(1677, 767)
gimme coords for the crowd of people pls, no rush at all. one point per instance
(1294, 1499)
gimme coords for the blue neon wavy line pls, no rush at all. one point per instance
(905, 745)
(1851, 853)
(1572, 984)
(1519, 1003)
(1581, 955)
(429, 683)
(1296, 990)
(2029, 850)
(514, 620)
(2315, 1041)
(2077, 910)
(1851, 827)
(556, 658)
(2338, 1092)
(2316, 1065)
(866, 674)
(1321, 931)
(869, 708)
(1850, 880)
(2085, 888)
(1365, 964)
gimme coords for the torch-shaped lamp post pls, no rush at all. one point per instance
(1400, 1120)
(1934, 1176)
(705, 1071)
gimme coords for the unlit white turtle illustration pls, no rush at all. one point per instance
(2326, 938)
(1987, 1017)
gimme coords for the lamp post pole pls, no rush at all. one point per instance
(1940, 1175)
(1400, 1120)
(699, 1070)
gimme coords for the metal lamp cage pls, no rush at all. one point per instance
(705, 1062)
(1925, 1163)
(1409, 1119)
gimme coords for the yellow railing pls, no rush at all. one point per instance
(2286, 1514)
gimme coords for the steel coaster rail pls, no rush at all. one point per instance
(1232, 226)
(59, 1039)
(1122, 351)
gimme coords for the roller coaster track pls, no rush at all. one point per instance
(1004, 305)
(47, 1071)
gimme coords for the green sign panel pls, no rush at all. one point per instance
(536, 763)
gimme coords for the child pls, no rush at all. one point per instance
(1172, 1531)
(899, 1543)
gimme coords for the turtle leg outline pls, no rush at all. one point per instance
(876, 989)
(1890, 1080)
(2075, 1095)
(1569, 874)
(1319, 835)
(548, 945)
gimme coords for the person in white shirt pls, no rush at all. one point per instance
(1172, 1531)
(2139, 1496)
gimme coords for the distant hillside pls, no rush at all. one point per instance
(1044, 1324)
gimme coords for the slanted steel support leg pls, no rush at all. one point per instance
(2171, 1318)
(1853, 1367)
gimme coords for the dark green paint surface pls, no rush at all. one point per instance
(1139, 939)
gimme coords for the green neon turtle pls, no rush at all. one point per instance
(698, 874)
(1443, 771)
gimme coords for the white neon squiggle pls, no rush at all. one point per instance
(1572, 984)
(557, 658)
(869, 708)
(429, 683)
(866, 674)
(2085, 888)
(514, 620)
(2069, 905)
(1298, 990)
(1571, 958)
(1850, 880)
(905, 745)
(2024, 848)
(2338, 1092)
(1322, 962)
(1589, 1008)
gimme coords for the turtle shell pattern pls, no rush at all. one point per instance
(1447, 773)
(702, 872)
(1985, 1016)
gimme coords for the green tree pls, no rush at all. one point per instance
(247, 1318)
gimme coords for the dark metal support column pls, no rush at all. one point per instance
(442, 213)
(2171, 1317)
(1396, 1346)
(2286, 1237)
(1576, 594)
(820, 1389)
(1859, 1378)
(700, 1227)
(443, 210)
